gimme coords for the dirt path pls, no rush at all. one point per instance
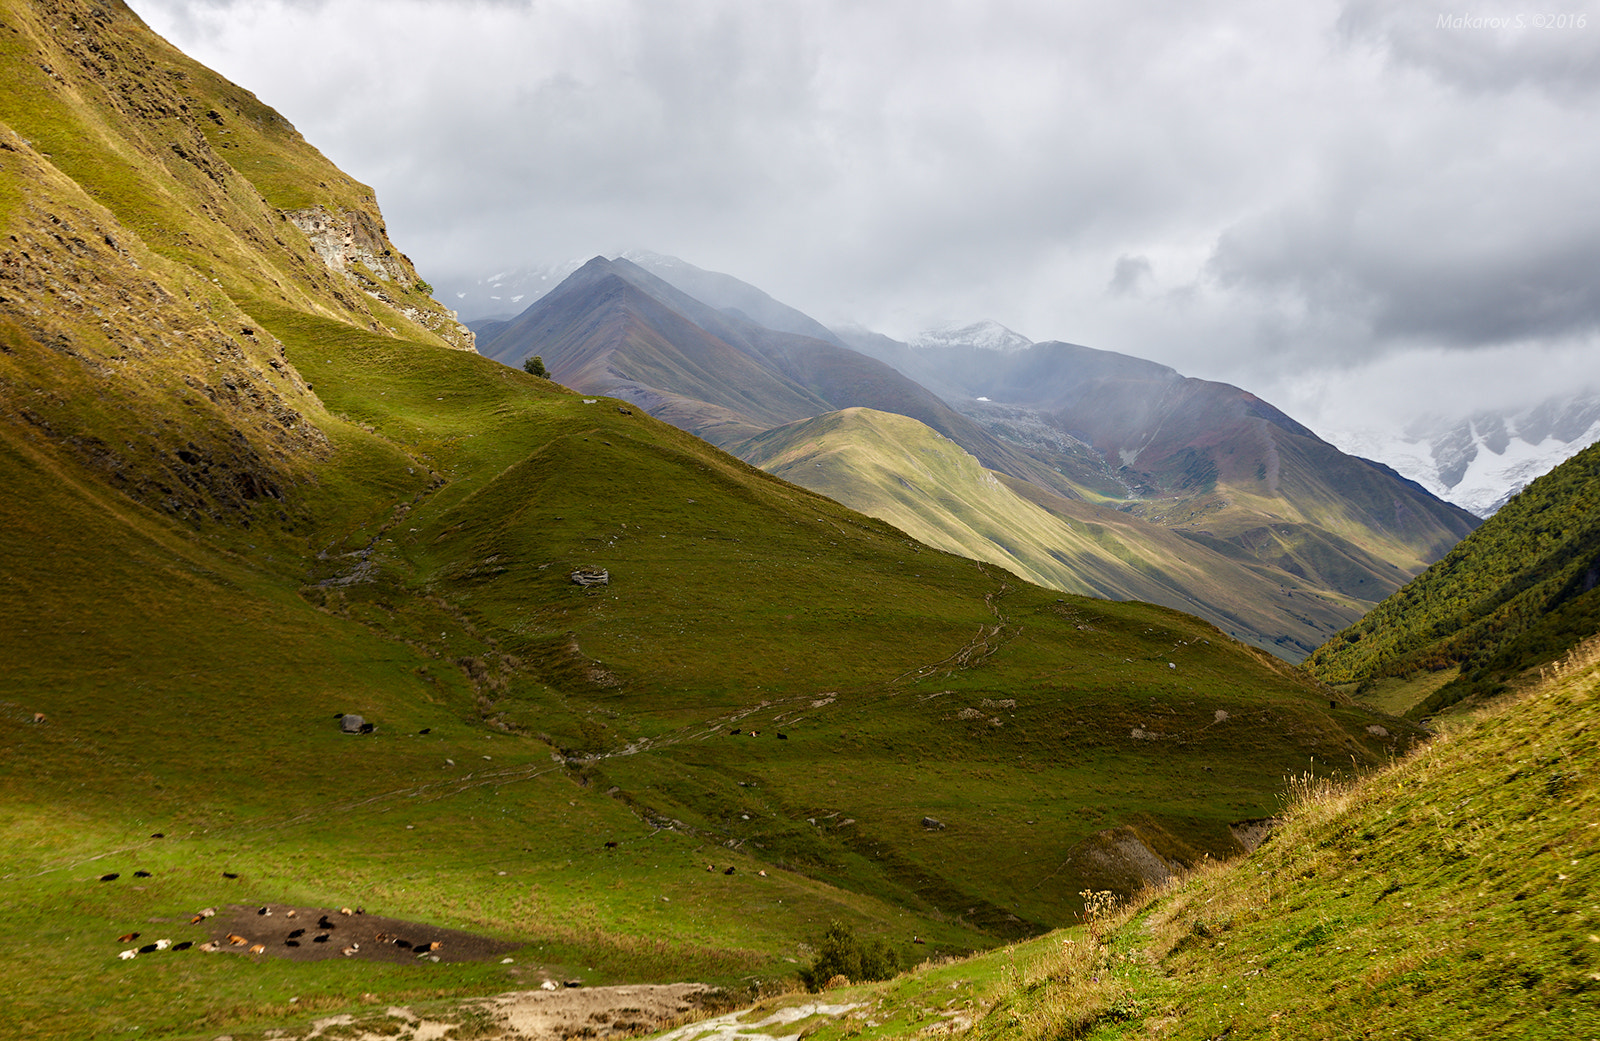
(532, 1015)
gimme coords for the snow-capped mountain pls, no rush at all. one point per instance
(986, 335)
(1480, 461)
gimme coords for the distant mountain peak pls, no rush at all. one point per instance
(1480, 461)
(985, 335)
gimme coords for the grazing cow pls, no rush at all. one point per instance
(434, 946)
(230, 874)
(291, 913)
(38, 717)
(320, 938)
(235, 940)
(346, 911)
(162, 945)
(185, 945)
(264, 911)
(367, 728)
(350, 950)
(425, 730)
(291, 943)
(127, 937)
(207, 912)
(112, 877)
(197, 919)
(258, 948)
(735, 732)
(211, 947)
(728, 872)
(404, 945)
(611, 845)
(323, 923)
(125, 955)
(141, 874)
(158, 835)
(782, 736)
(149, 948)
(297, 933)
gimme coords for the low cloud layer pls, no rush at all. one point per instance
(1310, 200)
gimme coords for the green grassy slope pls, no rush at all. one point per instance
(1517, 591)
(1449, 896)
(189, 678)
(246, 493)
(1209, 460)
(894, 468)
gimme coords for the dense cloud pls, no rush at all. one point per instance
(1312, 200)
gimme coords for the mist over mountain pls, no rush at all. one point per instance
(1475, 461)
(1480, 461)
(1086, 434)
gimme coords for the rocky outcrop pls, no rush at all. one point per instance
(348, 239)
(355, 245)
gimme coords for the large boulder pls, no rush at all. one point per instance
(351, 723)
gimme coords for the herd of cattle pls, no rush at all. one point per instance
(326, 926)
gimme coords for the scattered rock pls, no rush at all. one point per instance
(1377, 731)
(1252, 833)
(591, 576)
(932, 824)
(351, 723)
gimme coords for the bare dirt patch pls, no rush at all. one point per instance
(536, 1015)
(599, 1012)
(318, 933)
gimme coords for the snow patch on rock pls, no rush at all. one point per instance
(985, 335)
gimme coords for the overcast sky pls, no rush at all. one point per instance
(1355, 209)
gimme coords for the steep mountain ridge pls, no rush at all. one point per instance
(1207, 459)
(1518, 591)
(715, 373)
(1259, 496)
(894, 468)
(151, 205)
